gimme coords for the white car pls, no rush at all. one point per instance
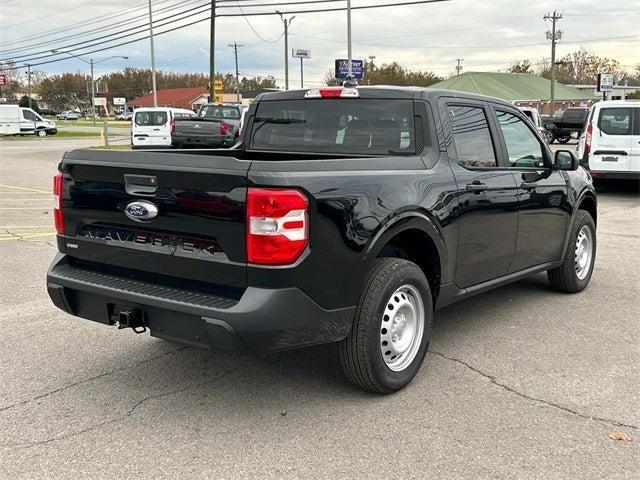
(16, 120)
(536, 120)
(68, 115)
(610, 145)
(152, 126)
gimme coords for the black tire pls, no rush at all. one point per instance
(360, 353)
(564, 140)
(565, 278)
(550, 137)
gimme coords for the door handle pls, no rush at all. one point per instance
(528, 186)
(476, 187)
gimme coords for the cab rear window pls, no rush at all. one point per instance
(150, 119)
(335, 126)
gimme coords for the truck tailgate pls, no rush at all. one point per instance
(180, 217)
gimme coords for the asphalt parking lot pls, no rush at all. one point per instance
(521, 382)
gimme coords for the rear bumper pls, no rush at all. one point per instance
(214, 141)
(262, 320)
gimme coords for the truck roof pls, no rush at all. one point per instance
(388, 92)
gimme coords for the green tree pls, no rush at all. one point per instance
(65, 91)
(24, 102)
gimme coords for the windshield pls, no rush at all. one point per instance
(220, 112)
(151, 118)
(339, 126)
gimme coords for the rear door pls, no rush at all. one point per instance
(487, 194)
(543, 207)
(612, 140)
(197, 233)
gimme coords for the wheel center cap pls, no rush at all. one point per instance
(398, 326)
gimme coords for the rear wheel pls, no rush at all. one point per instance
(550, 136)
(391, 329)
(575, 272)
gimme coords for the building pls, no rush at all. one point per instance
(523, 89)
(189, 98)
(620, 92)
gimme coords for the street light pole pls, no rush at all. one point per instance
(153, 59)
(91, 63)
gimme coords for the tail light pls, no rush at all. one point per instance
(277, 226)
(587, 139)
(173, 126)
(57, 203)
(224, 128)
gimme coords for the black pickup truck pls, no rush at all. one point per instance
(344, 215)
(570, 123)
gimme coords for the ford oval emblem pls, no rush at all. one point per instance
(141, 211)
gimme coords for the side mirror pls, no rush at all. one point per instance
(565, 160)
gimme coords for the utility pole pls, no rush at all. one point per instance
(554, 35)
(287, 24)
(459, 65)
(349, 50)
(153, 58)
(235, 50)
(93, 93)
(212, 52)
(29, 83)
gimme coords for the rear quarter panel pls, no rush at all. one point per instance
(356, 206)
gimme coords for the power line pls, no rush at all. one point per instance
(397, 4)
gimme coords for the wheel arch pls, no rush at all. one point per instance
(405, 237)
(588, 203)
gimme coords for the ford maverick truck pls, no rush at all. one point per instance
(342, 215)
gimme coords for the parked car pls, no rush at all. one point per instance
(68, 115)
(152, 126)
(534, 117)
(126, 116)
(569, 124)
(16, 120)
(231, 114)
(343, 215)
(610, 145)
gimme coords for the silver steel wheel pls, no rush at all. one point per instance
(42, 133)
(583, 252)
(402, 328)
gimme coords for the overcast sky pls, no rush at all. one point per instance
(488, 35)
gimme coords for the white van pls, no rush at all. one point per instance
(151, 127)
(16, 120)
(610, 145)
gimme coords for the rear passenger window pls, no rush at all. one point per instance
(471, 136)
(615, 121)
(151, 119)
(523, 147)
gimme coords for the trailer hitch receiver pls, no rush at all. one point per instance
(133, 319)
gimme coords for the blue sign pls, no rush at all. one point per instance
(342, 68)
